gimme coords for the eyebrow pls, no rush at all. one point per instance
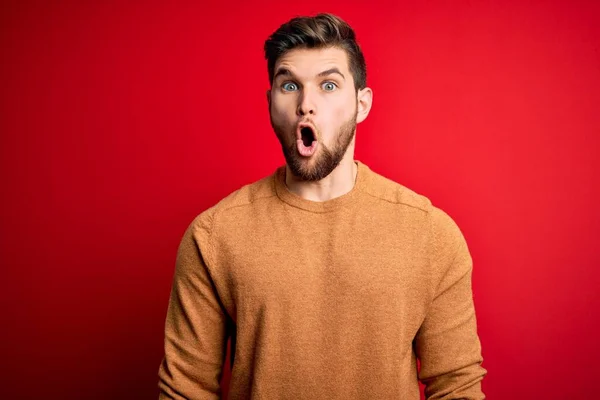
(287, 72)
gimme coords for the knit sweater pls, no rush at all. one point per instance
(323, 300)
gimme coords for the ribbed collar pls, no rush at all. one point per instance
(344, 201)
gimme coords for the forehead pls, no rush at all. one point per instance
(310, 62)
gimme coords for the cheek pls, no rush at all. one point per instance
(281, 109)
(338, 115)
(342, 112)
(341, 115)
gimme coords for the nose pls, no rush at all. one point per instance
(306, 105)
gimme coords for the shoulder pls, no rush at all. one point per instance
(445, 246)
(439, 223)
(245, 196)
(387, 190)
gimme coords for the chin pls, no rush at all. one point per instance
(315, 168)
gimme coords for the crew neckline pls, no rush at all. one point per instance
(337, 203)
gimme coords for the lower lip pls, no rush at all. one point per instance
(307, 151)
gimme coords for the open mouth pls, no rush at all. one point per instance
(308, 136)
(306, 140)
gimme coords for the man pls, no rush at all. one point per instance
(330, 279)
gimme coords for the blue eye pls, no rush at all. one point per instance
(329, 86)
(289, 87)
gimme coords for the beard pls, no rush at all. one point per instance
(325, 160)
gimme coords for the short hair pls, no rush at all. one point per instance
(321, 31)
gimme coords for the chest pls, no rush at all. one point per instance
(359, 262)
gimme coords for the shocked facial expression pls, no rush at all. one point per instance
(313, 109)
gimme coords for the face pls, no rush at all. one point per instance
(314, 109)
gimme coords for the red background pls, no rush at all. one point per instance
(120, 123)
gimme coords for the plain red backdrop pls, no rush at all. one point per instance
(120, 122)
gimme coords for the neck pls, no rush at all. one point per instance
(339, 182)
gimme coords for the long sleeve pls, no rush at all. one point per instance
(196, 324)
(447, 343)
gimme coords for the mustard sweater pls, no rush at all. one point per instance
(323, 300)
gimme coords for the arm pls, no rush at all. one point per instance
(447, 343)
(195, 327)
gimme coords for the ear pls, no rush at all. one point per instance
(364, 100)
(269, 98)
